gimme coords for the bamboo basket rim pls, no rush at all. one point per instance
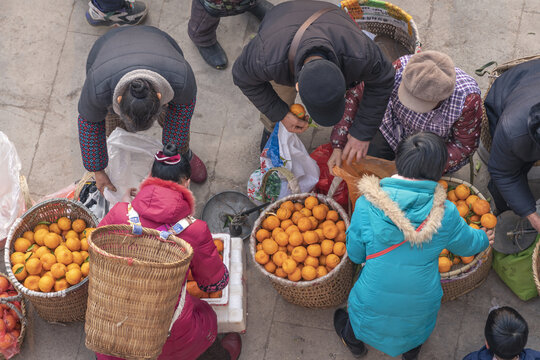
(536, 265)
(20, 339)
(127, 230)
(475, 264)
(299, 284)
(7, 249)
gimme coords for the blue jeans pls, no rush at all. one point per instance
(109, 5)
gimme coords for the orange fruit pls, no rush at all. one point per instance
(488, 221)
(261, 257)
(463, 209)
(55, 229)
(296, 238)
(52, 240)
(304, 224)
(58, 270)
(78, 225)
(262, 234)
(47, 261)
(471, 199)
(282, 239)
(33, 266)
(445, 264)
(341, 236)
(30, 255)
(474, 226)
(321, 271)
(451, 195)
(74, 276)
(474, 218)
(85, 269)
(330, 231)
(286, 223)
(291, 229)
(289, 265)
(84, 255)
(17, 258)
(313, 261)
(314, 250)
(60, 248)
(269, 246)
(282, 248)
(322, 260)
(29, 235)
(279, 257)
(297, 215)
(341, 225)
(71, 234)
(41, 226)
(444, 184)
(283, 213)
(456, 260)
(311, 237)
(39, 236)
(444, 252)
(314, 222)
(46, 283)
(298, 111)
(462, 191)
(311, 202)
(64, 223)
(271, 222)
(306, 212)
(22, 244)
(86, 232)
(332, 215)
(65, 257)
(279, 272)
(481, 207)
(339, 248)
(270, 267)
(467, 259)
(32, 282)
(319, 212)
(42, 250)
(332, 260)
(462, 202)
(319, 233)
(296, 275)
(77, 258)
(259, 246)
(217, 242)
(19, 271)
(61, 284)
(215, 295)
(299, 254)
(48, 273)
(327, 247)
(309, 273)
(289, 249)
(287, 205)
(74, 244)
(298, 206)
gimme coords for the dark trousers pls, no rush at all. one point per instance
(109, 5)
(215, 352)
(202, 26)
(379, 147)
(500, 203)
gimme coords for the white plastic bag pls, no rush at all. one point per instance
(130, 160)
(11, 197)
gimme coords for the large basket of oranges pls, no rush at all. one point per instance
(13, 317)
(135, 282)
(298, 242)
(46, 261)
(536, 266)
(459, 275)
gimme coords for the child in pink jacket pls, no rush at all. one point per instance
(163, 200)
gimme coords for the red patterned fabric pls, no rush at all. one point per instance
(93, 144)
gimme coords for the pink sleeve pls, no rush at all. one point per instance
(206, 266)
(353, 96)
(465, 133)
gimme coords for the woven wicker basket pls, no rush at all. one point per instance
(21, 314)
(60, 306)
(384, 18)
(470, 276)
(327, 291)
(536, 266)
(135, 281)
(485, 136)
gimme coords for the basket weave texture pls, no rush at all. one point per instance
(60, 306)
(536, 266)
(470, 276)
(135, 281)
(20, 339)
(328, 291)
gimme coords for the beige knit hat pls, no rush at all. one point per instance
(428, 78)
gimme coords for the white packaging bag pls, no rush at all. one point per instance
(11, 197)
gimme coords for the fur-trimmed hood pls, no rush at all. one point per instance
(163, 201)
(370, 187)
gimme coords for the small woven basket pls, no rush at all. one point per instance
(327, 291)
(135, 281)
(59, 306)
(384, 18)
(536, 266)
(21, 314)
(470, 276)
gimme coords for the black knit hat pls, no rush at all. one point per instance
(321, 86)
(533, 123)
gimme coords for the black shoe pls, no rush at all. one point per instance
(261, 8)
(411, 354)
(214, 55)
(341, 318)
(265, 136)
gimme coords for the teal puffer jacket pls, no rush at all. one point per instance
(394, 304)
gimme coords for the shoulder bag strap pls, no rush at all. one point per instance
(298, 36)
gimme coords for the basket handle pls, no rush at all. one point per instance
(334, 185)
(7, 301)
(293, 182)
(28, 203)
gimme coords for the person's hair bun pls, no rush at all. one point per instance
(139, 88)
(170, 149)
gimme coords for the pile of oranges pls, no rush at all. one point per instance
(475, 211)
(52, 257)
(10, 324)
(301, 241)
(191, 285)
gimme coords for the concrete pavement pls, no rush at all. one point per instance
(43, 53)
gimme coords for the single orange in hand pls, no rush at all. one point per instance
(298, 110)
(488, 221)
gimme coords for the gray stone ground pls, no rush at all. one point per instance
(44, 45)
